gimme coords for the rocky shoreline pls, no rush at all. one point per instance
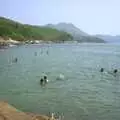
(4, 43)
(10, 43)
(8, 112)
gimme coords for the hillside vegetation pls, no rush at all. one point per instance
(22, 32)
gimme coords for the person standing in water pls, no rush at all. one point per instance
(41, 81)
(35, 53)
(41, 51)
(45, 79)
(15, 60)
(47, 52)
(102, 70)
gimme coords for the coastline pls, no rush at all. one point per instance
(9, 112)
(11, 43)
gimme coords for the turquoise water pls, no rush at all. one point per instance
(84, 94)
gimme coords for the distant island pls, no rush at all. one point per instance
(109, 38)
(15, 32)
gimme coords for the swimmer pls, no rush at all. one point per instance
(115, 71)
(102, 70)
(45, 79)
(41, 81)
(41, 52)
(47, 52)
(60, 77)
(15, 60)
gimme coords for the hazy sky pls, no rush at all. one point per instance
(91, 16)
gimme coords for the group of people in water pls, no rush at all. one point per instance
(15, 60)
(47, 52)
(44, 80)
(114, 71)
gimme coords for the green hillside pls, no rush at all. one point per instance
(22, 32)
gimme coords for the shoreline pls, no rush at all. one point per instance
(9, 112)
(11, 43)
(4, 44)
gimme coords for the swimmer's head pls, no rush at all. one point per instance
(45, 77)
(115, 71)
(41, 80)
(102, 69)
